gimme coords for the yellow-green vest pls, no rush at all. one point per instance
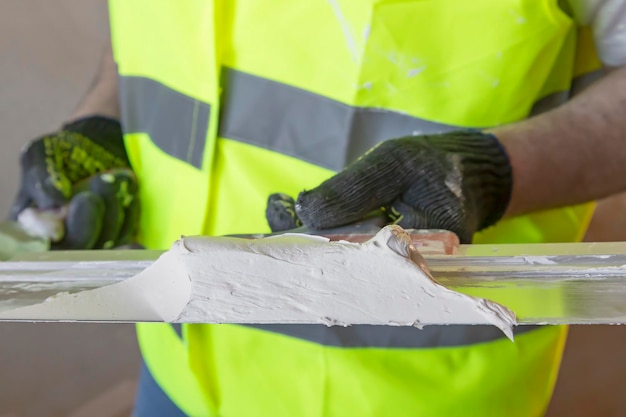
(225, 102)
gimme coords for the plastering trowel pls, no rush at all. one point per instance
(542, 283)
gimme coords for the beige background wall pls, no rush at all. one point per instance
(48, 53)
(49, 50)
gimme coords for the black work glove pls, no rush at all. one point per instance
(83, 173)
(459, 181)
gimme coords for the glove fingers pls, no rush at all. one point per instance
(83, 222)
(128, 230)
(37, 184)
(407, 216)
(37, 190)
(371, 182)
(117, 188)
(281, 213)
(411, 217)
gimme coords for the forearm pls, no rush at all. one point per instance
(572, 154)
(102, 98)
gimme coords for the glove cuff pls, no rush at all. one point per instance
(486, 172)
(501, 182)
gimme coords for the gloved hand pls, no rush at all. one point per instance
(82, 174)
(459, 181)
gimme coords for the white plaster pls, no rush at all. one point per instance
(347, 31)
(306, 279)
(47, 224)
(366, 33)
(539, 260)
(519, 19)
(415, 71)
(159, 293)
(454, 179)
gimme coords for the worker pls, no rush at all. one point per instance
(223, 104)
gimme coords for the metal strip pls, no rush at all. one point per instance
(176, 123)
(362, 336)
(308, 126)
(564, 283)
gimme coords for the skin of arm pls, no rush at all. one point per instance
(102, 98)
(572, 154)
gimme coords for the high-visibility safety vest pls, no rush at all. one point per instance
(225, 102)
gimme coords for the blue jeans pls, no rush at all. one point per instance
(151, 401)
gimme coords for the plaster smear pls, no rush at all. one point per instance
(289, 278)
(307, 279)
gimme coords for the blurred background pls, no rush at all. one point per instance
(49, 50)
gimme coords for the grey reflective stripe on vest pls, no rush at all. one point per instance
(176, 123)
(391, 336)
(549, 102)
(308, 126)
(278, 117)
(554, 100)
(583, 81)
(266, 114)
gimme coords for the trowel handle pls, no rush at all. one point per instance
(427, 241)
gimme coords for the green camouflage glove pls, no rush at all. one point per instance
(81, 173)
(459, 181)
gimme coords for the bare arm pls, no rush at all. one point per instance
(572, 154)
(102, 98)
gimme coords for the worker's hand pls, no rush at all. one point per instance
(79, 176)
(459, 181)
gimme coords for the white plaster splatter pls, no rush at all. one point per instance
(348, 34)
(415, 71)
(392, 88)
(366, 32)
(519, 19)
(493, 81)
